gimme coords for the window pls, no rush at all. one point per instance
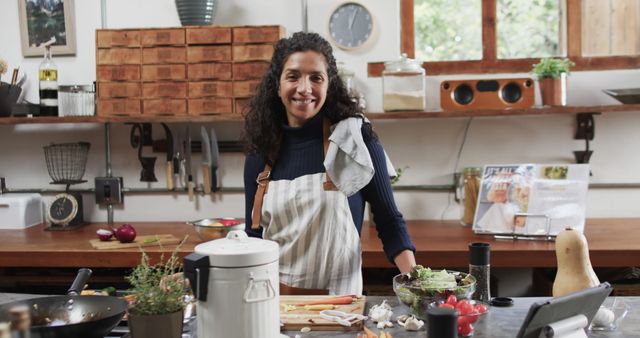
(507, 36)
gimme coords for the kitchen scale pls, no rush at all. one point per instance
(66, 164)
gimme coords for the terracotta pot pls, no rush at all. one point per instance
(554, 90)
(156, 326)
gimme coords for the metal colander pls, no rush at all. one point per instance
(66, 161)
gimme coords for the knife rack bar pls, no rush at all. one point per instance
(160, 146)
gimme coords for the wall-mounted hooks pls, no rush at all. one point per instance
(585, 130)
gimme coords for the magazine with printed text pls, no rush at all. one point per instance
(531, 199)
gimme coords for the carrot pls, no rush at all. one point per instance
(369, 333)
(340, 300)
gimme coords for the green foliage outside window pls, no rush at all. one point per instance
(528, 29)
(451, 30)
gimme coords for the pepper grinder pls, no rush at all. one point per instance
(479, 267)
(442, 323)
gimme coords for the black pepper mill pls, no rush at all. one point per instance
(442, 323)
(479, 267)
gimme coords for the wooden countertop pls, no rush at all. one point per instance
(612, 243)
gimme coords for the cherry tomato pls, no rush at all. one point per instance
(465, 330)
(446, 306)
(452, 300)
(473, 317)
(481, 308)
(464, 320)
(463, 307)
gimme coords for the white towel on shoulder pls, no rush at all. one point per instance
(348, 162)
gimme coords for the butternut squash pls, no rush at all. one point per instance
(574, 267)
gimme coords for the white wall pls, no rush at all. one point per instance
(428, 146)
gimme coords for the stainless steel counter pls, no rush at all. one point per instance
(498, 323)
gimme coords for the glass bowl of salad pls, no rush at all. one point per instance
(423, 286)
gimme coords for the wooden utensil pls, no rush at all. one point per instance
(295, 317)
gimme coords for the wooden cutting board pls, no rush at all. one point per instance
(298, 318)
(149, 240)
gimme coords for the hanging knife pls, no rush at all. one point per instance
(188, 164)
(215, 160)
(177, 160)
(206, 160)
(169, 165)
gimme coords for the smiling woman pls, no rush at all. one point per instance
(313, 161)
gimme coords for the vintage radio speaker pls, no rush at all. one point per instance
(487, 94)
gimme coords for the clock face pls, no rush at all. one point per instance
(350, 25)
(62, 209)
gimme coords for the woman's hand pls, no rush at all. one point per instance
(405, 260)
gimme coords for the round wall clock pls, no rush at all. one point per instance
(350, 25)
(62, 209)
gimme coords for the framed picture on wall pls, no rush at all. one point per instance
(45, 20)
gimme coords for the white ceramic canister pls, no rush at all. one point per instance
(236, 282)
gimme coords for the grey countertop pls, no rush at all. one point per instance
(499, 322)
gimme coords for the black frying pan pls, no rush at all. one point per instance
(71, 315)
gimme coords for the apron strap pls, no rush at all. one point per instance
(326, 132)
(264, 178)
(263, 182)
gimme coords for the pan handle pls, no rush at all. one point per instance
(78, 284)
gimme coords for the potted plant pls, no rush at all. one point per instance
(552, 77)
(158, 298)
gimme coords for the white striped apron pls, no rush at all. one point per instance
(312, 223)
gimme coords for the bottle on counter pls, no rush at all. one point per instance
(442, 323)
(20, 322)
(48, 75)
(479, 267)
(470, 185)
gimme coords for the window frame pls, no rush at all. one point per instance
(490, 63)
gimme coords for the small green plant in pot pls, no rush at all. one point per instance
(552, 77)
(159, 298)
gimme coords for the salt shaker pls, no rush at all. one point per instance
(442, 323)
(479, 267)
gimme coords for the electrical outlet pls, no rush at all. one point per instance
(109, 190)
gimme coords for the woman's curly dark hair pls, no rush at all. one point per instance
(266, 114)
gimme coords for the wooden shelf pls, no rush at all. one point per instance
(540, 110)
(398, 115)
(119, 119)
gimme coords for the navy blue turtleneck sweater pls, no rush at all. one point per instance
(301, 154)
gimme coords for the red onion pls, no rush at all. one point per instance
(104, 234)
(125, 233)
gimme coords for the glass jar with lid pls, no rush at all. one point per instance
(403, 85)
(348, 77)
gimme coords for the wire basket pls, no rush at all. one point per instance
(66, 161)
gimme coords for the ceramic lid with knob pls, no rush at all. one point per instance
(239, 250)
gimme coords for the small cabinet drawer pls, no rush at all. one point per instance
(118, 73)
(164, 107)
(245, 88)
(161, 55)
(208, 53)
(119, 107)
(163, 72)
(211, 88)
(257, 34)
(118, 56)
(202, 71)
(117, 38)
(208, 35)
(165, 89)
(118, 89)
(210, 106)
(252, 52)
(160, 37)
(249, 70)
